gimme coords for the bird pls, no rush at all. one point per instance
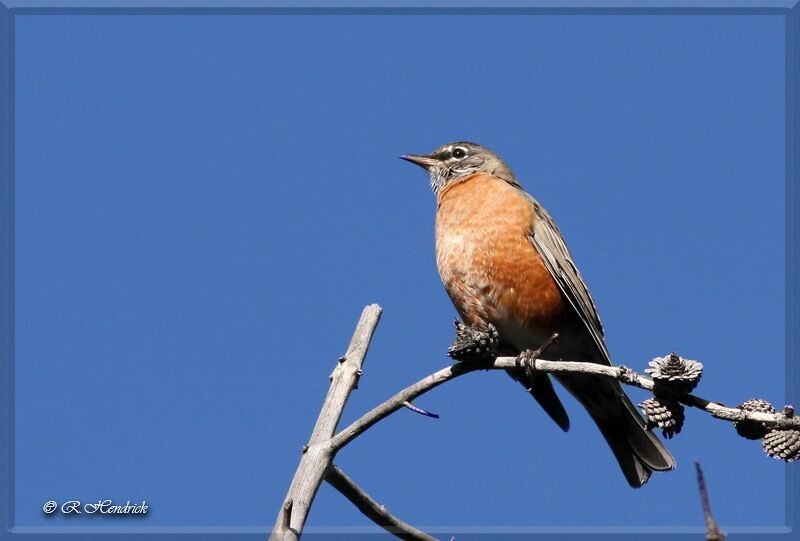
(504, 263)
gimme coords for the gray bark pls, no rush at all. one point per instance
(318, 454)
(372, 509)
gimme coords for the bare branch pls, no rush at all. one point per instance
(417, 409)
(713, 533)
(372, 509)
(621, 373)
(397, 401)
(318, 454)
(316, 463)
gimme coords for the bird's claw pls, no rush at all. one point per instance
(527, 360)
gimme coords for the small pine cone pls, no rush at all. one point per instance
(753, 430)
(783, 444)
(665, 414)
(674, 373)
(474, 344)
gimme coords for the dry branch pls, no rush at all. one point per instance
(316, 463)
(620, 373)
(713, 533)
(318, 454)
(372, 509)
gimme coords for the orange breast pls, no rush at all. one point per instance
(487, 263)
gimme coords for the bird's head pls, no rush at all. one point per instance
(455, 161)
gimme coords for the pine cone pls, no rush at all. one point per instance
(753, 430)
(474, 344)
(665, 414)
(674, 373)
(783, 444)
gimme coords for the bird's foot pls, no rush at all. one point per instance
(527, 359)
(474, 344)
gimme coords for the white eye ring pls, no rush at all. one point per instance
(459, 152)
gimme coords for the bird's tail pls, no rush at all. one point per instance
(541, 388)
(638, 451)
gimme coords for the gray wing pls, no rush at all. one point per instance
(548, 241)
(638, 451)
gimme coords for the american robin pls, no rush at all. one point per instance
(504, 263)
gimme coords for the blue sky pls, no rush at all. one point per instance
(204, 204)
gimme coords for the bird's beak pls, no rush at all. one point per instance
(423, 161)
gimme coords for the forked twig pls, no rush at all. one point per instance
(316, 464)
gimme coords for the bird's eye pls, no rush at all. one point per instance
(459, 153)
